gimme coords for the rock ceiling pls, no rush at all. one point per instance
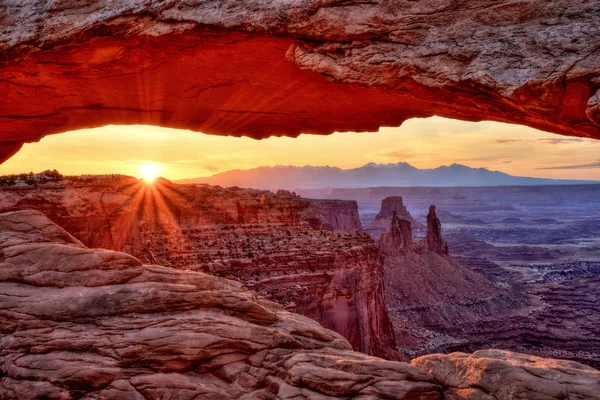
(261, 68)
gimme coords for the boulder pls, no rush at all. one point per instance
(504, 375)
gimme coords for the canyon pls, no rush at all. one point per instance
(99, 324)
(306, 255)
(401, 298)
(230, 68)
(428, 294)
(539, 244)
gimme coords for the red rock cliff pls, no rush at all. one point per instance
(79, 322)
(339, 215)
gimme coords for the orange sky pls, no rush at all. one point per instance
(423, 143)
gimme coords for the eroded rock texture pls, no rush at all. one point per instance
(428, 294)
(259, 238)
(97, 324)
(262, 68)
(338, 215)
(433, 240)
(390, 206)
(399, 238)
(503, 375)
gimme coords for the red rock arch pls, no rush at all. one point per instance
(263, 68)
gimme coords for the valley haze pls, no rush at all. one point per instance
(370, 175)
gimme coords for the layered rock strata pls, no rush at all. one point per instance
(433, 240)
(390, 207)
(338, 215)
(225, 67)
(259, 238)
(98, 324)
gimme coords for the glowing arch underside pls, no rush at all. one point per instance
(263, 68)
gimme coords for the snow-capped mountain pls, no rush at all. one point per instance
(369, 175)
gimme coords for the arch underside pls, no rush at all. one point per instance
(319, 67)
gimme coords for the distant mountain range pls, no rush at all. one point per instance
(370, 175)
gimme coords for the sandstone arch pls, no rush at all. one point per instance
(261, 68)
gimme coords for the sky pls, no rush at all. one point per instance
(424, 143)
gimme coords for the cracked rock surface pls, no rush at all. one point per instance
(504, 375)
(263, 68)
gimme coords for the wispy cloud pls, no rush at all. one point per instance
(558, 140)
(575, 166)
(198, 163)
(506, 141)
(561, 140)
(211, 168)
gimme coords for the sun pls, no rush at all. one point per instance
(149, 172)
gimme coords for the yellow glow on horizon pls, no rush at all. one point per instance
(423, 143)
(149, 172)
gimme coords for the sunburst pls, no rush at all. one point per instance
(149, 172)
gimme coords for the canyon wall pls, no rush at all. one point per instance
(263, 68)
(340, 215)
(256, 237)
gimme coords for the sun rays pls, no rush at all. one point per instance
(150, 208)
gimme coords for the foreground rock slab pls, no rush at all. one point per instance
(504, 375)
(97, 324)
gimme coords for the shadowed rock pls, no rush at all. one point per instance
(399, 238)
(433, 240)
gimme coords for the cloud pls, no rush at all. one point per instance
(561, 140)
(211, 168)
(575, 166)
(506, 162)
(505, 141)
(544, 141)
